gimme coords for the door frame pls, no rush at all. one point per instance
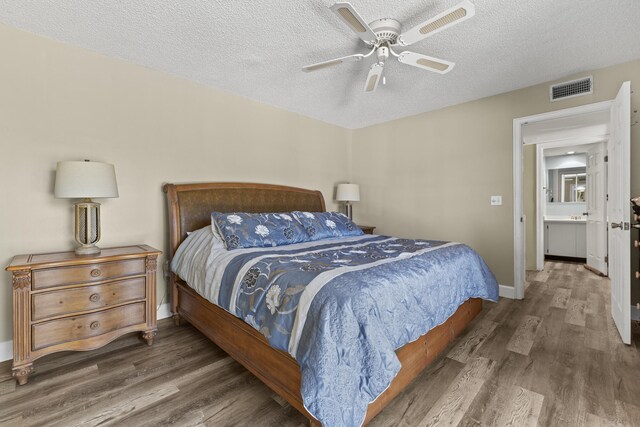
(519, 219)
(541, 199)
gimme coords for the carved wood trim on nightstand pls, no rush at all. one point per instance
(149, 336)
(21, 279)
(152, 264)
(22, 364)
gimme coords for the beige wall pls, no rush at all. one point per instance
(59, 102)
(431, 175)
(428, 176)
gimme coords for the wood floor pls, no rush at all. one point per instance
(553, 359)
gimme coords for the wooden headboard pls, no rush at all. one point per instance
(190, 205)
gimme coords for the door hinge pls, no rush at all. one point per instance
(626, 226)
(606, 259)
(606, 158)
(607, 197)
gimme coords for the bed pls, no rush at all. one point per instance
(189, 209)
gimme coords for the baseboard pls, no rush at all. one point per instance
(164, 311)
(6, 347)
(507, 291)
(6, 350)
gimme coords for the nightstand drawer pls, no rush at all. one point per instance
(68, 301)
(86, 326)
(48, 278)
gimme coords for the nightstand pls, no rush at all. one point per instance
(367, 229)
(63, 301)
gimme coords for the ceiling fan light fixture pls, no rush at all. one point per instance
(386, 29)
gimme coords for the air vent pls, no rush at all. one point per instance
(570, 89)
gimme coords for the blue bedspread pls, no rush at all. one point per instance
(342, 308)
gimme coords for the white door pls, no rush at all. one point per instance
(618, 212)
(596, 211)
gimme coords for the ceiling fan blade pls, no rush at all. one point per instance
(374, 77)
(349, 16)
(446, 19)
(330, 63)
(425, 62)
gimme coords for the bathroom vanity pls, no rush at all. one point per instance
(565, 237)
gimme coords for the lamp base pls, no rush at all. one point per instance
(87, 250)
(87, 227)
(348, 210)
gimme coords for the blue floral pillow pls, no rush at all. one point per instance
(321, 225)
(246, 230)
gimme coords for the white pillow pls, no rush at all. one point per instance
(216, 239)
(193, 253)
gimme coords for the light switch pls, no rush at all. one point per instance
(496, 200)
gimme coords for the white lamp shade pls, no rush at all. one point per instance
(84, 179)
(348, 193)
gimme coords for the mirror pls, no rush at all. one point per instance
(568, 185)
(573, 187)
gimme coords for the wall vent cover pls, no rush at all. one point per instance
(570, 89)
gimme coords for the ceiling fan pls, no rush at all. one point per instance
(383, 35)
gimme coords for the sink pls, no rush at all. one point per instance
(562, 218)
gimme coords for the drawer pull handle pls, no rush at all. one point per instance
(94, 325)
(94, 297)
(96, 272)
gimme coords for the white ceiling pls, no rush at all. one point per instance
(256, 48)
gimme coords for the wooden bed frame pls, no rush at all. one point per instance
(190, 207)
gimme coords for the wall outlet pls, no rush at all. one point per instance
(496, 200)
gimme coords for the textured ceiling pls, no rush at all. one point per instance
(256, 48)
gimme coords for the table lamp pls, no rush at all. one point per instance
(348, 193)
(86, 180)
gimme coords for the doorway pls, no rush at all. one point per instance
(554, 129)
(617, 194)
(571, 197)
